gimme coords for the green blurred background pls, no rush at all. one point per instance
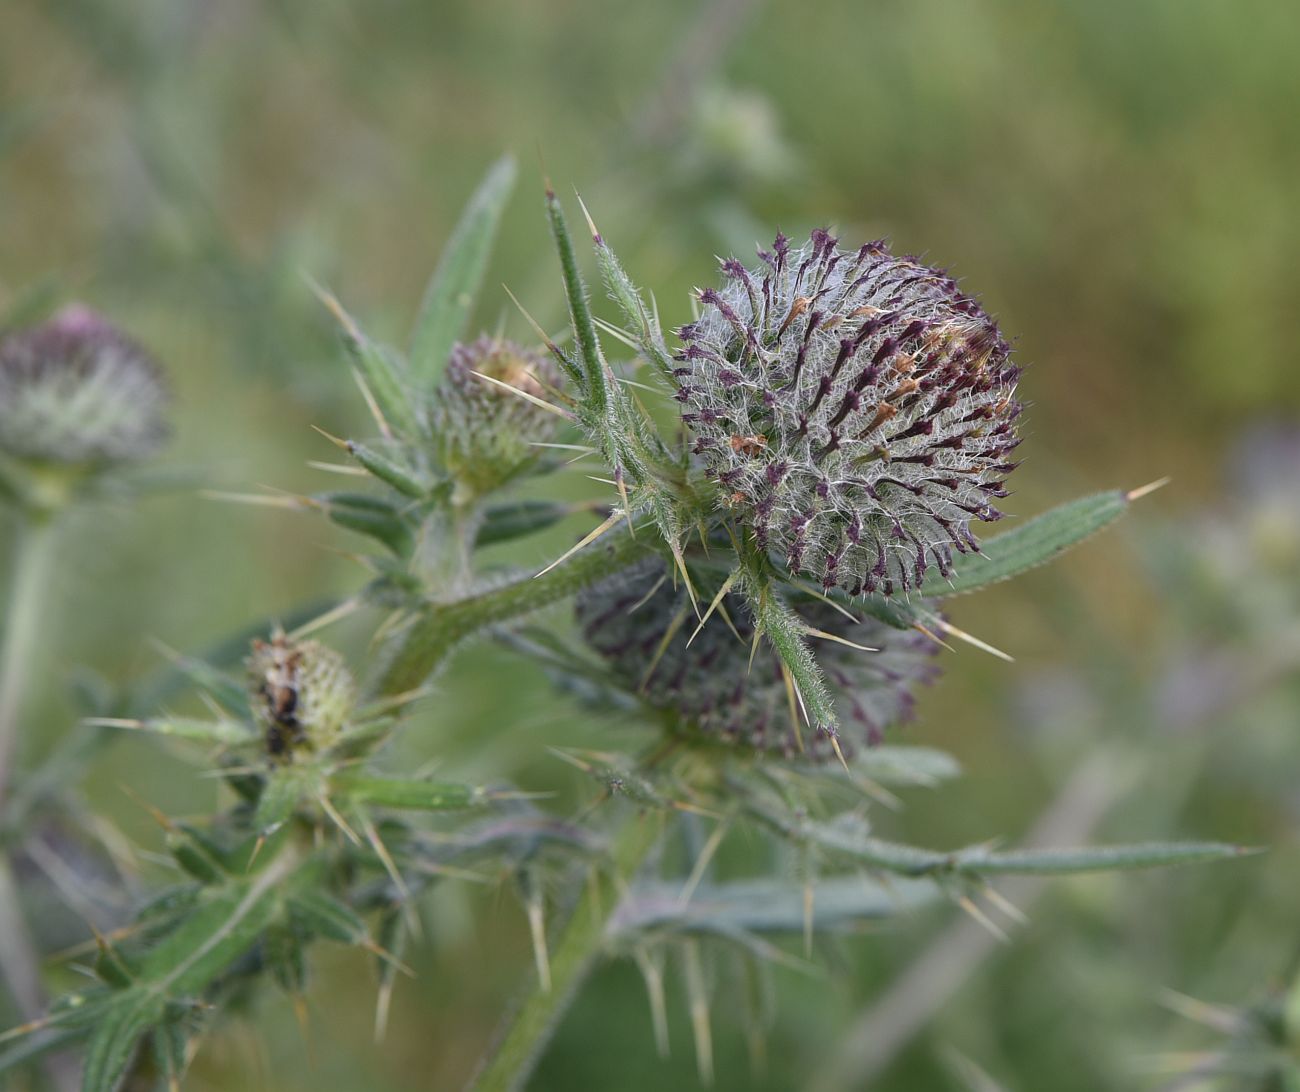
(1116, 179)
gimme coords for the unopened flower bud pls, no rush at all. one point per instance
(640, 624)
(302, 692)
(485, 435)
(857, 410)
(77, 391)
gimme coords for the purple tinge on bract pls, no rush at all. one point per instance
(75, 389)
(640, 624)
(857, 409)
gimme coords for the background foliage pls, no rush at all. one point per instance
(1116, 180)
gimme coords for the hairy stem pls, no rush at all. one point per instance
(536, 1020)
(423, 645)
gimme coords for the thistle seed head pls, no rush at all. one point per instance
(76, 390)
(640, 625)
(856, 409)
(483, 434)
(302, 693)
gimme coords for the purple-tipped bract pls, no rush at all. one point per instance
(857, 410)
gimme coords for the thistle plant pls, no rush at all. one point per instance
(762, 595)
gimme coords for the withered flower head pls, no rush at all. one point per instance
(76, 390)
(640, 625)
(856, 408)
(302, 693)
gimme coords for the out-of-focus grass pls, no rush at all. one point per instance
(1116, 180)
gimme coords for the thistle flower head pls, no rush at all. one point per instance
(483, 433)
(641, 624)
(856, 408)
(76, 390)
(302, 693)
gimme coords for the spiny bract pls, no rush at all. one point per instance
(856, 408)
(640, 624)
(302, 691)
(484, 435)
(76, 390)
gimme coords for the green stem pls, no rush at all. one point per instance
(33, 563)
(421, 648)
(538, 1018)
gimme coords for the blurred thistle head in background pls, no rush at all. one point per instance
(856, 408)
(719, 685)
(484, 434)
(76, 391)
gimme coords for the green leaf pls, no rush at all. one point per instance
(1060, 862)
(850, 841)
(113, 1043)
(592, 376)
(282, 792)
(450, 294)
(196, 854)
(785, 632)
(225, 732)
(768, 906)
(904, 765)
(405, 479)
(383, 371)
(170, 1048)
(324, 916)
(505, 522)
(644, 323)
(182, 965)
(35, 1045)
(373, 516)
(390, 792)
(1035, 542)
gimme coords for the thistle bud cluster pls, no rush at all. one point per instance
(302, 694)
(718, 685)
(485, 435)
(76, 391)
(857, 410)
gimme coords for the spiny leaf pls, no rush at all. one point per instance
(282, 791)
(382, 371)
(767, 906)
(851, 842)
(389, 792)
(450, 294)
(1035, 542)
(325, 916)
(182, 965)
(593, 377)
(196, 854)
(505, 522)
(645, 327)
(405, 479)
(369, 515)
(1060, 862)
(785, 632)
(905, 765)
(230, 732)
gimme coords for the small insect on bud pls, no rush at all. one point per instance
(77, 391)
(303, 694)
(484, 434)
(859, 405)
(644, 628)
